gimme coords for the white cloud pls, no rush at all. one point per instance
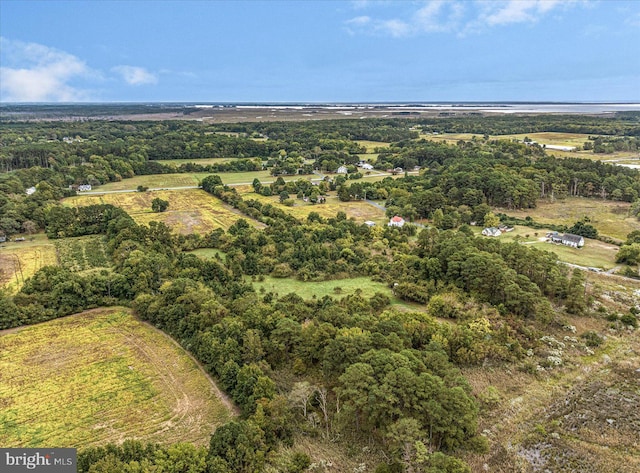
(440, 16)
(518, 11)
(134, 75)
(37, 73)
(432, 16)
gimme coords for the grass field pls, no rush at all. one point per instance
(98, 377)
(190, 210)
(360, 210)
(159, 181)
(203, 161)
(319, 289)
(372, 145)
(79, 254)
(208, 253)
(20, 260)
(609, 218)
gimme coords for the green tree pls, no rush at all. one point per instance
(159, 205)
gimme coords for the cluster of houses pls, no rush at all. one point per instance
(497, 231)
(80, 188)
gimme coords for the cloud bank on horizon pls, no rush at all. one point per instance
(320, 51)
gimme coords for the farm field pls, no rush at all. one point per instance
(81, 253)
(190, 210)
(609, 218)
(20, 260)
(208, 253)
(102, 376)
(359, 210)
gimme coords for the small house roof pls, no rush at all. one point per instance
(396, 218)
(571, 237)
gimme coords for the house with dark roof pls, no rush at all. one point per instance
(568, 239)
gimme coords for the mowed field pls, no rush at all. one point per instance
(361, 211)
(190, 210)
(102, 376)
(20, 260)
(608, 217)
(190, 179)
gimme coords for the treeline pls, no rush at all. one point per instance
(464, 181)
(627, 124)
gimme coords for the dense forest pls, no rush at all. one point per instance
(350, 367)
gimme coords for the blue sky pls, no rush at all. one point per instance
(311, 51)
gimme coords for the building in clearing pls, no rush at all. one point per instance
(568, 239)
(369, 223)
(366, 166)
(30, 190)
(492, 232)
(342, 170)
(396, 221)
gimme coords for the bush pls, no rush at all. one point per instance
(629, 319)
(592, 339)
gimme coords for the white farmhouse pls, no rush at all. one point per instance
(396, 221)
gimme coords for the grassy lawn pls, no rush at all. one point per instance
(190, 210)
(610, 218)
(359, 210)
(98, 377)
(20, 260)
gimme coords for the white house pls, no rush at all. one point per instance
(492, 232)
(396, 221)
(84, 187)
(342, 170)
(31, 190)
(366, 166)
(568, 239)
(369, 223)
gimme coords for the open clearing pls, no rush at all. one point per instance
(81, 253)
(102, 376)
(319, 289)
(159, 181)
(20, 260)
(595, 253)
(361, 211)
(609, 218)
(190, 210)
(202, 161)
(372, 145)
